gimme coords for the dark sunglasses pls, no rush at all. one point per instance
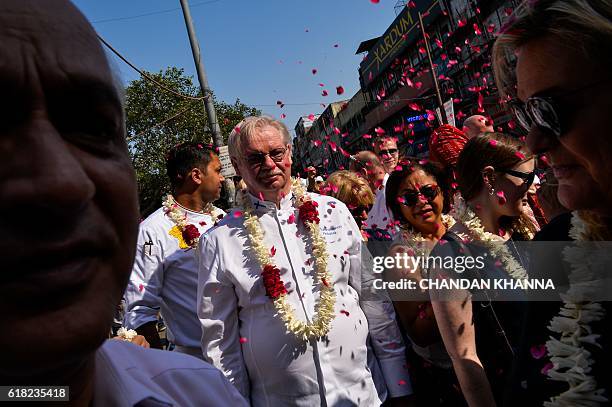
(527, 177)
(390, 151)
(258, 159)
(546, 112)
(429, 192)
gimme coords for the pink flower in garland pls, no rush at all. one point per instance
(191, 234)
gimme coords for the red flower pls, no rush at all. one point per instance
(191, 234)
(272, 281)
(308, 212)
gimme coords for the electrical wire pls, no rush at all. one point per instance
(145, 75)
(108, 20)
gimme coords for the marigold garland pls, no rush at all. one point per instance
(572, 363)
(275, 288)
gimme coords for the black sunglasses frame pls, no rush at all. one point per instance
(527, 177)
(390, 151)
(536, 109)
(429, 192)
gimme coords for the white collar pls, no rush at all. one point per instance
(286, 203)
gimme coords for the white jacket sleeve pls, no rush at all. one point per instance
(143, 293)
(385, 337)
(218, 314)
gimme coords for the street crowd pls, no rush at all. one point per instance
(264, 304)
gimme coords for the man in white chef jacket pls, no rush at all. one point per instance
(242, 334)
(165, 277)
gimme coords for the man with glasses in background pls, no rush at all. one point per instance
(380, 219)
(279, 290)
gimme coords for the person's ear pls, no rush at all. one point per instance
(290, 155)
(488, 177)
(196, 176)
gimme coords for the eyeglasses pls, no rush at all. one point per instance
(546, 112)
(257, 159)
(527, 177)
(390, 151)
(429, 192)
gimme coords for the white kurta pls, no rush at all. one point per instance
(380, 224)
(165, 278)
(244, 338)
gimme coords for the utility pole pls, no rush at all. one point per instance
(433, 72)
(209, 106)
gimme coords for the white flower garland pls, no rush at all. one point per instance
(126, 334)
(462, 213)
(324, 308)
(571, 362)
(416, 240)
(179, 216)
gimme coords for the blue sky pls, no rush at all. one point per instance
(259, 51)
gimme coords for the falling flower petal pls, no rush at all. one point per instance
(314, 71)
(339, 90)
(243, 340)
(501, 197)
(237, 214)
(345, 312)
(538, 351)
(291, 219)
(324, 93)
(546, 368)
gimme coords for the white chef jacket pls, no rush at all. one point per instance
(244, 338)
(165, 277)
(127, 375)
(380, 221)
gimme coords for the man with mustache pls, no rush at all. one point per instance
(165, 275)
(279, 290)
(70, 221)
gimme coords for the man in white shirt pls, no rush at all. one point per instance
(69, 224)
(165, 276)
(380, 225)
(303, 250)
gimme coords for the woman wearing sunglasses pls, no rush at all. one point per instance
(418, 198)
(552, 62)
(494, 173)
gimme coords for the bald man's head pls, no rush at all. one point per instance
(67, 181)
(477, 124)
(367, 165)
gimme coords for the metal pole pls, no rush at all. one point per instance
(206, 92)
(433, 72)
(209, 106)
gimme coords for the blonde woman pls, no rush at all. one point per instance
(553, 65)
(354, 191)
